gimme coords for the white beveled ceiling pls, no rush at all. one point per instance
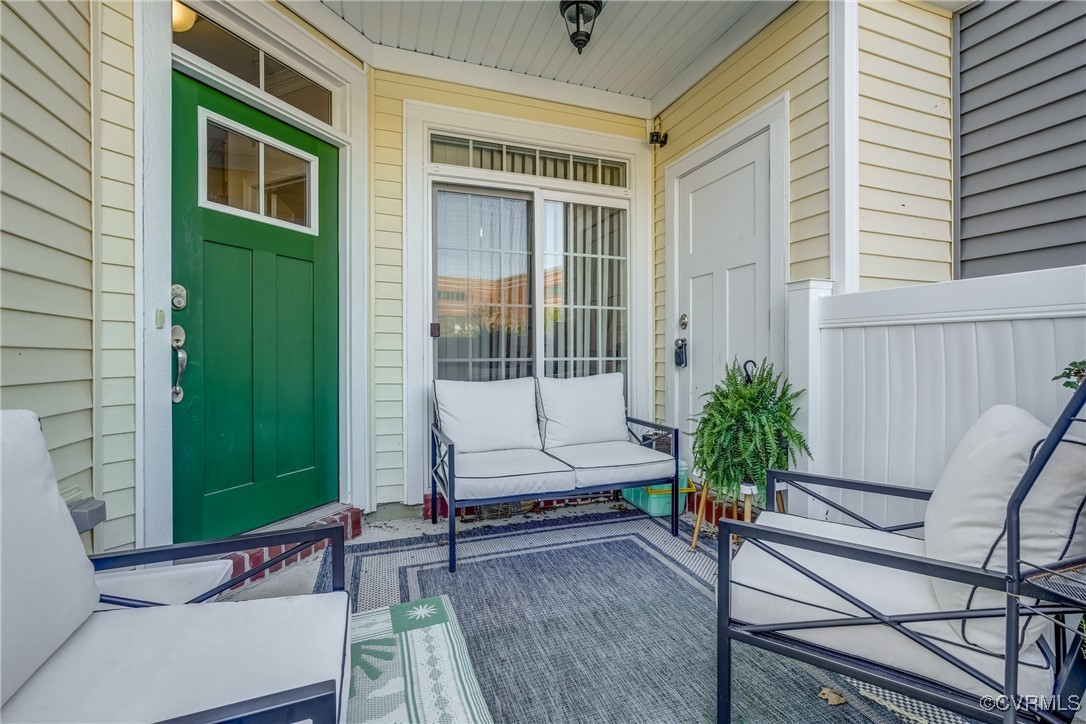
(638, 49)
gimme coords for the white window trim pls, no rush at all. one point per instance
(156, 57)
(311, 178)
(420, 176)
(772, 118)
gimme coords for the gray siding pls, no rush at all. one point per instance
(1022, 136)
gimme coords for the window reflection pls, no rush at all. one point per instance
(286, 188)
(233, 169)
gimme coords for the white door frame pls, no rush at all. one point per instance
(156, 58)
(773, 117)
(420, 175)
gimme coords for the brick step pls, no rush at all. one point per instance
(471, 511)
(350, 519)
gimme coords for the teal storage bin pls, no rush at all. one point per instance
(656, 499)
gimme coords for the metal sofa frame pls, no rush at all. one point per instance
(1059, 591)
(317, 702)
(443, 481)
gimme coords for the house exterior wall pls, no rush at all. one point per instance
(47, 295)
(388, 92)
(1022, 108)
(906, 196)
(115, 268)
(66, 304)
(790, 55)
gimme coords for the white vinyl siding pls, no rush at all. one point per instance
(790, 55)
(906, 198)
(46, 221)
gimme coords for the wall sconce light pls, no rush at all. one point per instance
(657, 139)
(580, 16)
(184, 17)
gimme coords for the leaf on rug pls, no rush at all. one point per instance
(833, 698)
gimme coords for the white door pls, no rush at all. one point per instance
(723, 274)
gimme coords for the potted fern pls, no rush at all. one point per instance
(746, 427)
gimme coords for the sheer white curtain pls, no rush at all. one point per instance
(484, 286)
(486, 299)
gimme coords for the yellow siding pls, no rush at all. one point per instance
(67, 305)
(905, 144)
(790, 55)
(46, 222)
(388, 92)
(115, 342)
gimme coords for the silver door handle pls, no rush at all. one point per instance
(177, 335)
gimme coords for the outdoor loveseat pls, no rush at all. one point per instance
(1002, 559)
(276, 659)
(541, 439)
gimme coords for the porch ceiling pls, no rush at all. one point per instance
(638, 49)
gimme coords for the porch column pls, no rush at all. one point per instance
(804, 360)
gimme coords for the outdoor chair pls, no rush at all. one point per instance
(1003, 559)
(268, 660)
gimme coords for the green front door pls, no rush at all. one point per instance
(255, 246)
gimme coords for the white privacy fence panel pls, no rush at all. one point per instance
(904, 372)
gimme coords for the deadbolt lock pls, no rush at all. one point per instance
(178, 297)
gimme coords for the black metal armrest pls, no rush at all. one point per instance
(315, 702)
(897, 491)
(968, 575)
(652, 425)
(200, 549)
(440, 436)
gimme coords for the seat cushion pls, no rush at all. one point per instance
(484, 416)
(502, 473)
(149, 664)
(765, 590)
(163, 584)
(580, 410)
(608, 463)
(48, 583)
(964, 520)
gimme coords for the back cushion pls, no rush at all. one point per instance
(48, 584)
(964, 521)
(581, 410)
(484, 416)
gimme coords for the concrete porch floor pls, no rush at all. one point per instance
(395, 522)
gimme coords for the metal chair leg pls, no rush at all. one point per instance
(433, 500)
(723, 639)
(452, 536)
(675, 506)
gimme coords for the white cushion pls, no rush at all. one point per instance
(501, 473)
(163, 584)
(581, 410)
(47, 583)
(965, 517)
(608, 463)
(149, 664)
(765, 590)
(484, 416)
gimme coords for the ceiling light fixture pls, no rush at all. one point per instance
(580, 16)
(183, 17)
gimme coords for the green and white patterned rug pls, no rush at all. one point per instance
(409, 663)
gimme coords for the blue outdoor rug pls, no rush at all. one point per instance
(597, 618)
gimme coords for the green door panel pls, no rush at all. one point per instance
(256, 432)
